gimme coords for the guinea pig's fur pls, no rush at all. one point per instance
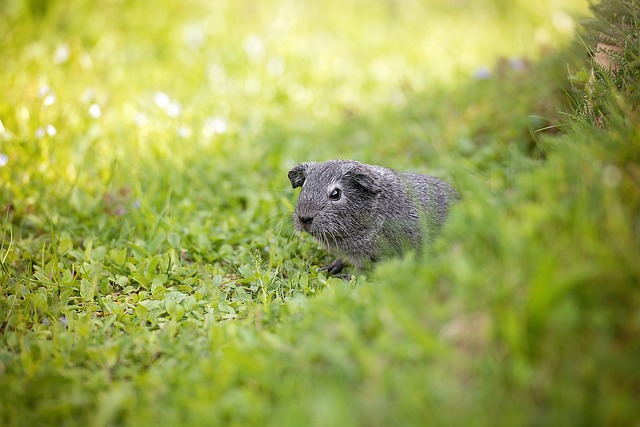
(364, 213)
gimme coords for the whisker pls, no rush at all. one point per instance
(275, 216)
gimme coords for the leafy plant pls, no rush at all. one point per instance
(149, 271)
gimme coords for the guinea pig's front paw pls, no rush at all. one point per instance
(335, 267)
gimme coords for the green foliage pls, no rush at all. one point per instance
(149, 271)
(613, 33)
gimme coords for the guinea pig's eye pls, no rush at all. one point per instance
(335, 194)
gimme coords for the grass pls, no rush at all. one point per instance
(150, 274)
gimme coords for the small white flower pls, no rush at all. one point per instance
(216, 74)
(95, 111)
(254, 47)
(141, 119)
(563, 22)
(49, 100)
(276, 66)
(173, 109)
(40, 132)
(4, 159)
(162, 100)
(51, 130)
(194, 36)
(43, 91)
(184, 132)
(89, 95)
(214, 126)
(62, 54)
(85, 61)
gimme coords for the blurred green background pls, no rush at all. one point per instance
(150, 272)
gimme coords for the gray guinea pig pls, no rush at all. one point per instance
(364, 213)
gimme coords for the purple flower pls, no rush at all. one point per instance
(482, 73)
(517, 64)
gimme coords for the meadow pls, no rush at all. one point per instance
(150, 273)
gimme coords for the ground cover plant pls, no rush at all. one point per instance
(149, 271)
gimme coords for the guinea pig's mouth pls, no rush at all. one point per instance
(307, 228)
(312, 229)
(324, 237)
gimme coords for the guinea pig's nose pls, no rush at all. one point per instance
(306, 220)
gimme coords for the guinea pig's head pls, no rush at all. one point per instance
(337, 200)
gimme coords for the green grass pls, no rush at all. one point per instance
(149, 270)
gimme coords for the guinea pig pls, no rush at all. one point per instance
(364, 213)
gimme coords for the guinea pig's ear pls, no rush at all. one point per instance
(298, 174)
(364, 178)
